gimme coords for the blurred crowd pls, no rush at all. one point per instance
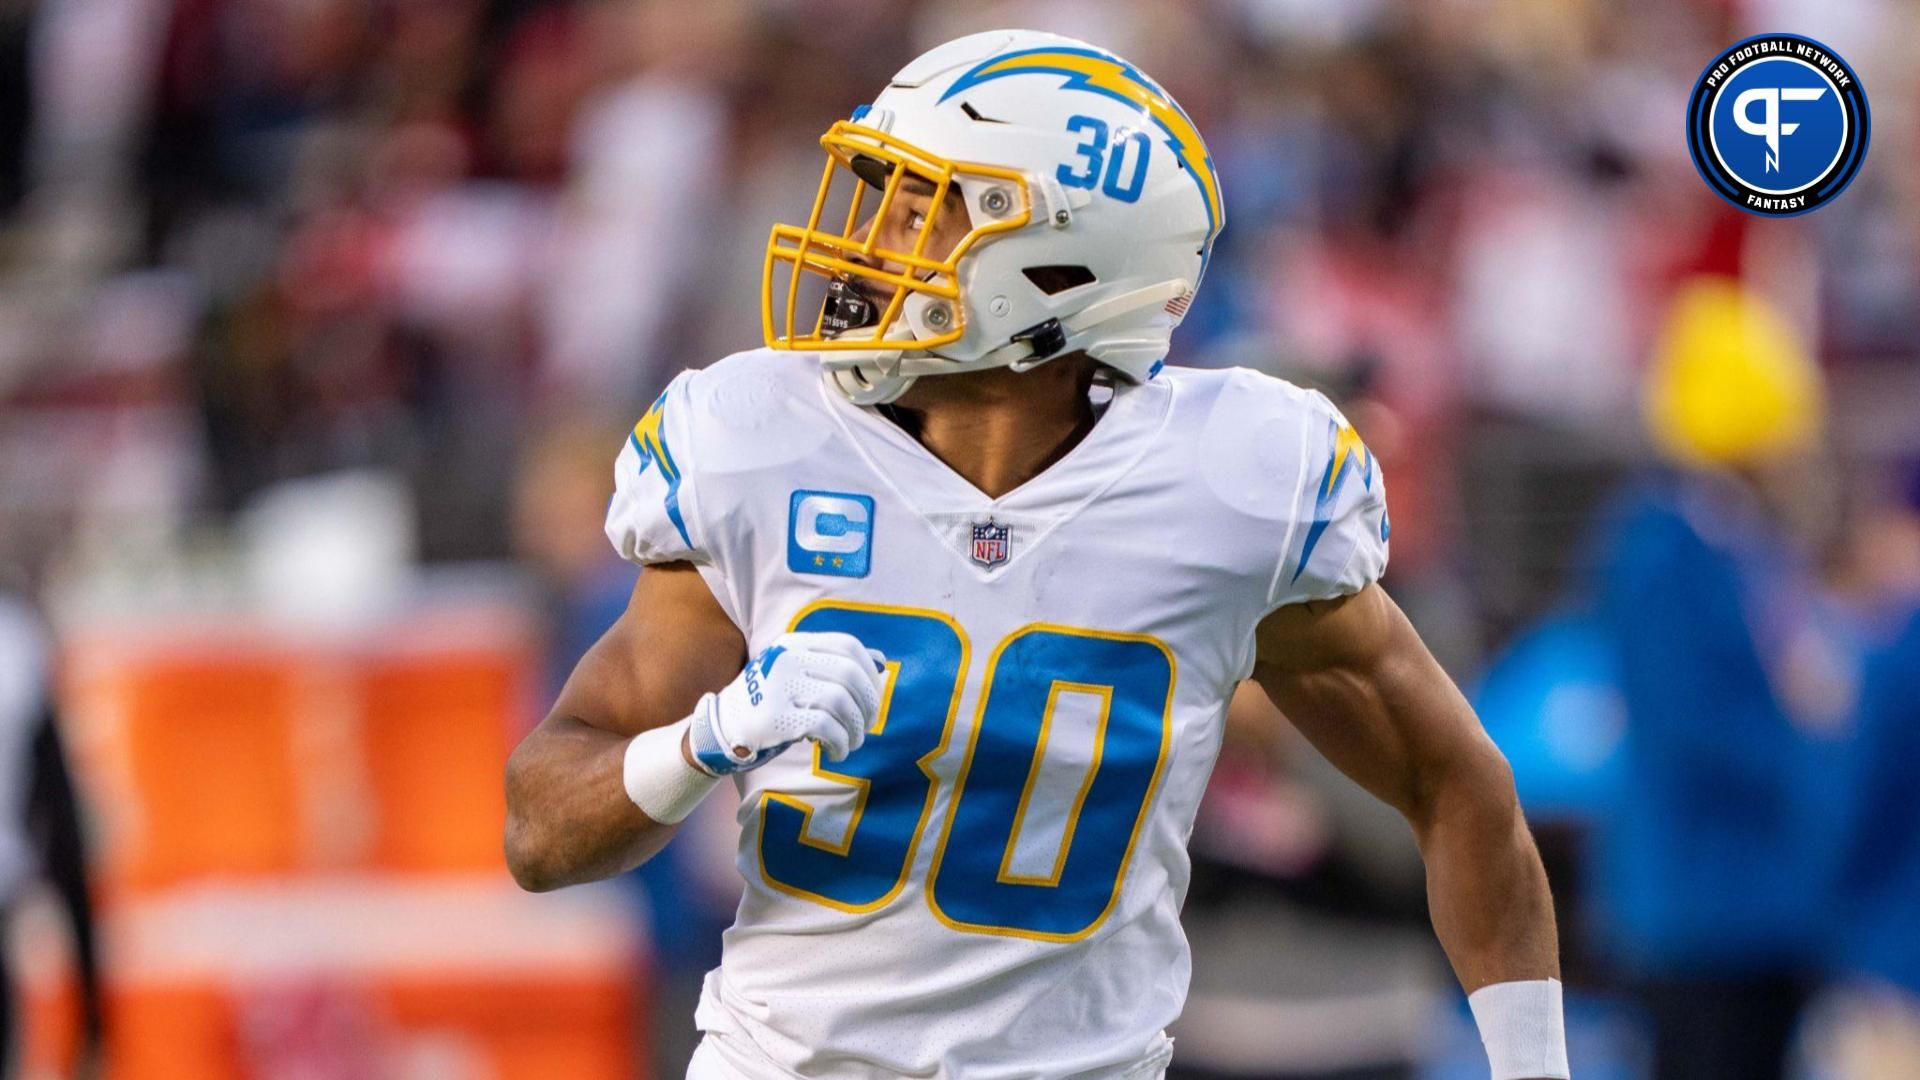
(448, 249)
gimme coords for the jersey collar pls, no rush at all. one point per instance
(1128, 429)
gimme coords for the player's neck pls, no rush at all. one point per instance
(998, 428)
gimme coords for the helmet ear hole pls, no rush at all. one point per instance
(1058, 279)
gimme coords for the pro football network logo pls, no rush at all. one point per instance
(992, 543)
(1778, 125)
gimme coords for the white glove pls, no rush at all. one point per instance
(824, 687)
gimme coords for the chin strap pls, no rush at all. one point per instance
(1020, 354)
(862, 387)
(881, 376)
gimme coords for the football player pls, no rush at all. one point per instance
(953, 581)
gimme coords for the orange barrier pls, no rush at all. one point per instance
(299, 866)
(431, 790)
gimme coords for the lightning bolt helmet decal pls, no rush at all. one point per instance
(1100, 73)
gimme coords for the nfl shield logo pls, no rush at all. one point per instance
(990, 544)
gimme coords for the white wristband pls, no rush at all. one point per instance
(659, 780)
(1523, 1028)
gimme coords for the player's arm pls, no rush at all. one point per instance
(1354, 677)
(569, 818)
(656, 713)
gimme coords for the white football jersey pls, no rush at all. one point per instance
(991, 886)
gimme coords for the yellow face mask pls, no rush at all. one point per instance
(868, 284)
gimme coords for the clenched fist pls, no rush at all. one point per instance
(824, 687)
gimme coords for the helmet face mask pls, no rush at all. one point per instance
(906, 300)
(1090, 206)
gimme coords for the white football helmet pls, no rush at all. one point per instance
(1092, 206)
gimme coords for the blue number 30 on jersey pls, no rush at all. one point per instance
(971, 885)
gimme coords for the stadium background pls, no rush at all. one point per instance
(321, 321)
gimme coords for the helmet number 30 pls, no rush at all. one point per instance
(1094, 155)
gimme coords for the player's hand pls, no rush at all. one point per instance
(824, 687)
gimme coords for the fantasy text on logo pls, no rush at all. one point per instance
(1778, 125)
(830, 532)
